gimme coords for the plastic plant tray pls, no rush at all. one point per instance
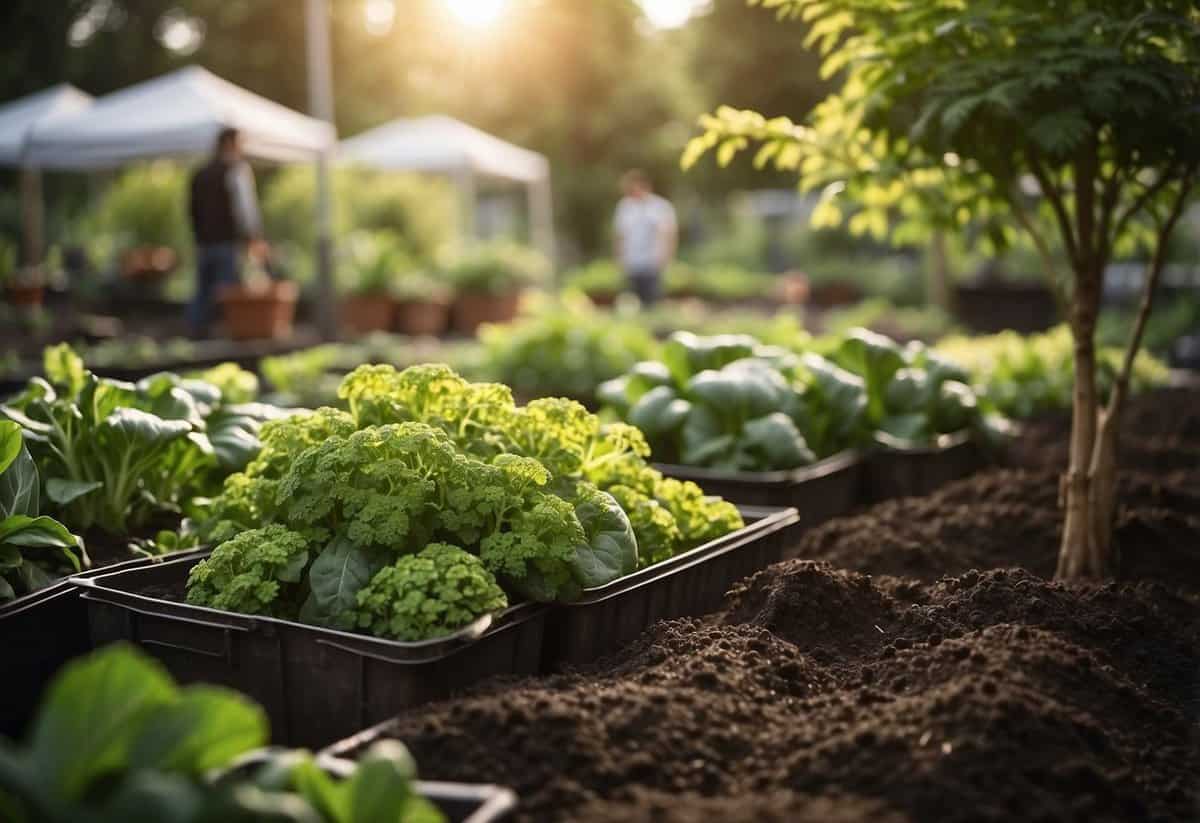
(920, 470)
(828, 488)
(690, 584)
(316, 684)
(39, 632)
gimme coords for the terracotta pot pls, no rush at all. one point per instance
(835, 294)
(365, 313)
(25, 295)
(472, 309)
(148, 262)
(602, 298)
(422, 317)
(262, 312)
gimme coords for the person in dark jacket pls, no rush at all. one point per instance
(225, 216)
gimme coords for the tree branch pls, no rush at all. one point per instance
(1141, 201)
(1153, 274)
(1052, 192)
(1043, 250)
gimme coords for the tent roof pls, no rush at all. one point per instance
(179, 113)
(19, 117)
(444, 145)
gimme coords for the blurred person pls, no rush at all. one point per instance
(646, 234)
(224, 214)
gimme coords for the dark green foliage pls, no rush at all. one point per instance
(33, 550)
(112, 453)
(432, 593)
(115, 740)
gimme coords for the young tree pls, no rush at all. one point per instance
(1080, 119)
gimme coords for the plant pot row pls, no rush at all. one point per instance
(367, 313)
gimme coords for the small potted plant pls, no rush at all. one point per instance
(23, 286)
(260, 308)
(489, 279)
(423, 303)
(600, 280)
(376, 259)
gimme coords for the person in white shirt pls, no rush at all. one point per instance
(645, 235)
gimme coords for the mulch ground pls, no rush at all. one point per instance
(911, 663)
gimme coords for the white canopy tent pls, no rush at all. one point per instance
(176, 114)
(18, 119)
(442, 145)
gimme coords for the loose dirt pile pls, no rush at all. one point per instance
(823, 694)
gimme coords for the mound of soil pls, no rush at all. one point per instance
(922, 668)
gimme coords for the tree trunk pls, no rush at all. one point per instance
(1077, 555)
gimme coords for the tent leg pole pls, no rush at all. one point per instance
(32, 216)
(541, 218)
(320, 94)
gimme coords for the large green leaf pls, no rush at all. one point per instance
(131, 430)
(659, 411)
(206, 728)
(337, 575)
(18, 474)
(774, 442)
(63, 491)
(381, 787)
(611, 550)
(875, 358)
(92, 714)
(741, 390)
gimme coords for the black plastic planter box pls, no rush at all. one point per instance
(826, 489)
(39, 632)
(913, 472)
(315, 684)
(608, 617)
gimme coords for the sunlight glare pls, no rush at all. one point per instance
(670, 14)
(477, 13)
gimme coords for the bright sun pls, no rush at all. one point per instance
(477, 13)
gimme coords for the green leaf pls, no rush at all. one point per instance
(10, 443)
(659, 411)
(381, 787)
(64, 368)
(205, 729)
(89, 719)
(774, 442)
(63, 491)
(337, 575)
(611, 549)
(127, 429)
(6, 590)
(18, 474)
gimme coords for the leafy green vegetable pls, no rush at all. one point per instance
(425, 457)
(116, 740)
(432, 593)
(112, 453)
(256, 572)
(33, 550)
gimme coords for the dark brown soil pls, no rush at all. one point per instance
(820, 693)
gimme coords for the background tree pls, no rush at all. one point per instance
(1079, 119)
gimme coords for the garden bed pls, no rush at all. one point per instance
(950, 686)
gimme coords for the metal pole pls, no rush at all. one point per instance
(320, 103)
(541, 217)
(32, 216)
